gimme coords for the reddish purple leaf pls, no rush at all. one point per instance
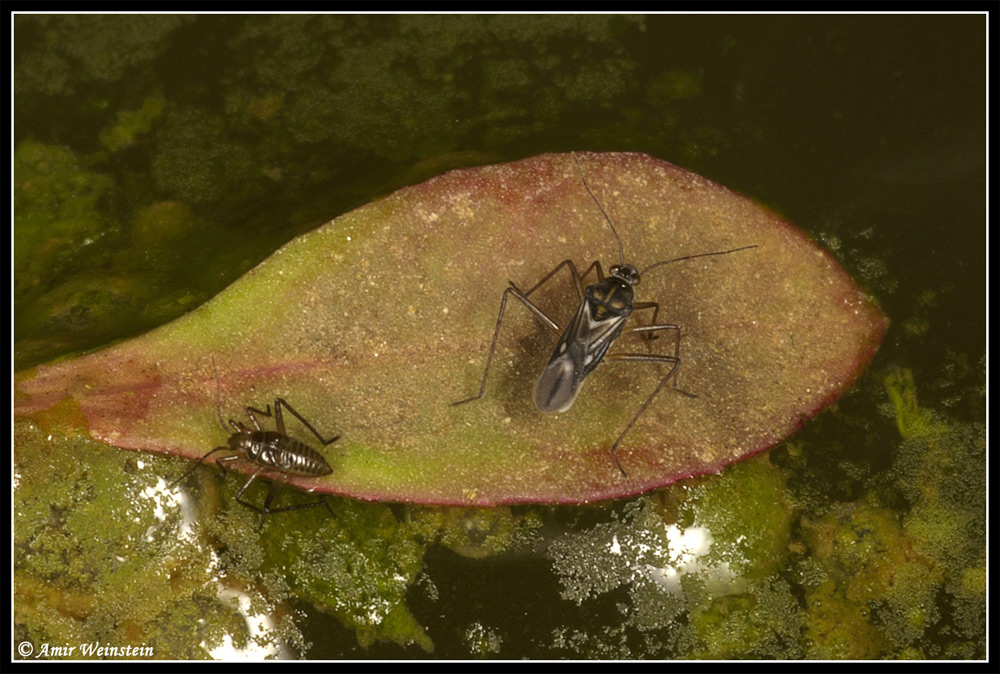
(371, 325)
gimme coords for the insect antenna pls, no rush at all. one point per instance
(218, 412)
(691, 257)
(621, 249)
(232, 427)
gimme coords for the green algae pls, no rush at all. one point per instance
(104, 555)
(130, 125)
(867, 579)
(699, 561)
(59, 211)
(95, 563)
(725, 566)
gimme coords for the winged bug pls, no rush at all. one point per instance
(599, 320)
(275, 454)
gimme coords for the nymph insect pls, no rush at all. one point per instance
(599, 320)
(275, 454)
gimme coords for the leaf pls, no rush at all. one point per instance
(372, 325)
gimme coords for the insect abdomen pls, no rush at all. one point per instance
(287, 455)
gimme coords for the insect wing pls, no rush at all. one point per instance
(558, 386)
(578, 352)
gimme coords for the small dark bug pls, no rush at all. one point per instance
(275, 454)
(599, 320)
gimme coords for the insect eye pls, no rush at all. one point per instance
(627, 273)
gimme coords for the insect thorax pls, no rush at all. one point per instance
(612, 297)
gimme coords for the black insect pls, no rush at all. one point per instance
(599, 320)
(275, 454)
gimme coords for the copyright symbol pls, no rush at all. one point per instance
(24, 649)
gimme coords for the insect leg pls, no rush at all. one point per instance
(226, 459)
(299, 506)
(512, 290)
(655, 306)
(272, 491)
(266, 413)
(541, 315)
(243, 489)
(577, 277)
(649, 358)
(198, 463)
(676, 358)
(642, 408)
(275, 486)
(279, 403)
